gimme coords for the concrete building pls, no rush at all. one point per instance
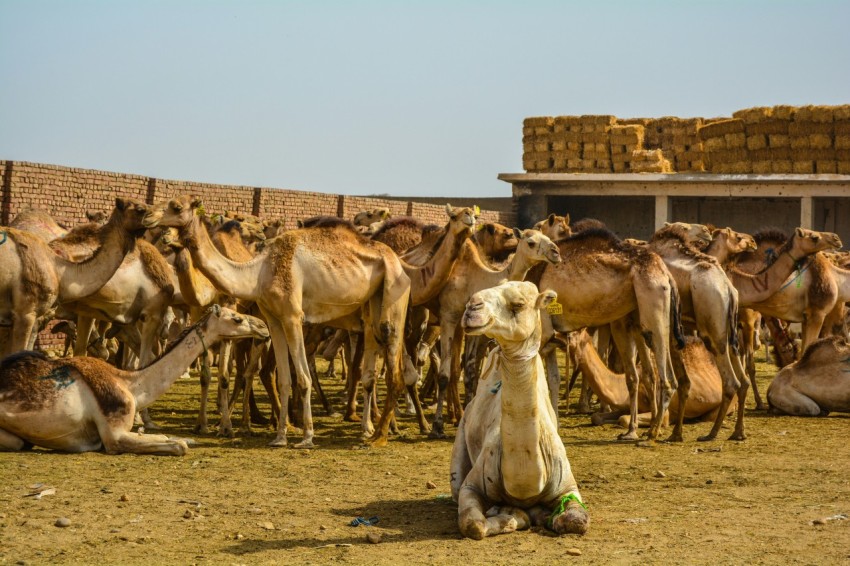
(634, 205)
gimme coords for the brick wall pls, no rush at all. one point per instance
(68, 193)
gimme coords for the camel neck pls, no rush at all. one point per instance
(523, 408)
(81, 279)
(609, 387)
(240, 280)
(149, 383)
(428, 280)
(196, 289)
(758, 287)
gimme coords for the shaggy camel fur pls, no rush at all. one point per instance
(84, 404)
(469, 276)
(509, 467)
(705, 396)
(601, 281)
(33, 278)
(326, 274)
(815, 385)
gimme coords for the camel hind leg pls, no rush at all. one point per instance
(12, 443)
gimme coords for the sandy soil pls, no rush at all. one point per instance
(236, 501)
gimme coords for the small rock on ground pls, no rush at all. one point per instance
(63, 522)
(373, 538)
(574, 552)
(431, 485)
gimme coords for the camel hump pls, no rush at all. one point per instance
(100, 378)
(155, 265)
(824, 351)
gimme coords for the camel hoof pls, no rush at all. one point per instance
(574, 520)
(627, 436)
(201, 429)
(424, 430)
(305, 444)
(436, 434)
(675, 438)
(351, 418)
(150, 425)
(246, 432)
(706, 438)
(378, 442)
(738, 436)
(761, 407)
(278, 442)
(225, 432)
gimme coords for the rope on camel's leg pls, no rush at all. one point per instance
(562, 506)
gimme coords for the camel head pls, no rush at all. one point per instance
(506, 313)
(272, 228)
(495, 239)
(805, 242)
(179, 212)
(130, 215)
(536, 246)
(369, 217)
(96, 216)
(697, 235)
(555, 227)
(463, 215)
(220, 322)
(736, 242)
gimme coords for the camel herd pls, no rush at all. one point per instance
(662, 331)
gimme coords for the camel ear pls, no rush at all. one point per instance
(385, 213)
(551, 219)
(517, 233)
(450, 211)
(728, 231)
(299, 223)
(196, 202)
(666, 224)
(120, 203)
(490, 228)
(476, 211)
(545, 298)
(567, 219)
(799, 232)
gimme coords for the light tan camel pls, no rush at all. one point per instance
(38, 222)
(604, 281)
(817, 384)
(509, 467)
(367, 218)
(321, 275)
(726, 245)
(33, 278)
(705, 396)
(84, 404)
(470, 275)
(708, 297)
(555, 227)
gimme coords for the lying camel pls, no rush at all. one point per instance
(507, 455)
(706, 388)
(83, 404)
(815, 385)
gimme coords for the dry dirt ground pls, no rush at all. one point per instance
(236, 501)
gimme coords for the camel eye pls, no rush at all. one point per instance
(237, 319)
(516, 307)
(816, 238)
(531, 243)
(176, 207)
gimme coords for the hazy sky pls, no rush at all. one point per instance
(369, 97)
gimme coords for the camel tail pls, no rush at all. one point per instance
(676, 314)
(733, 322)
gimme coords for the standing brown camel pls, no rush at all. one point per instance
(601, 281)
(326, 274)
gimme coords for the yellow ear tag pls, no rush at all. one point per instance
(555, 307)
(476, 210)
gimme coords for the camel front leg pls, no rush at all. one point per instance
(284, 378)
(475, 524)
(295, 341)
(225, 426)
(354, 352)
(201, 426)
(121, 441)
(411, 379)
(731, 386)
(447, 343)
(682, 393)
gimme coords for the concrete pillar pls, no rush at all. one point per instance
(532, 208)
(807, 212)
(663, 210)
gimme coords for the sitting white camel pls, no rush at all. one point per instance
(509, 467)
(84, 404)
(817, 384)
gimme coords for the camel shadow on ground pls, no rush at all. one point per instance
(399, 521)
